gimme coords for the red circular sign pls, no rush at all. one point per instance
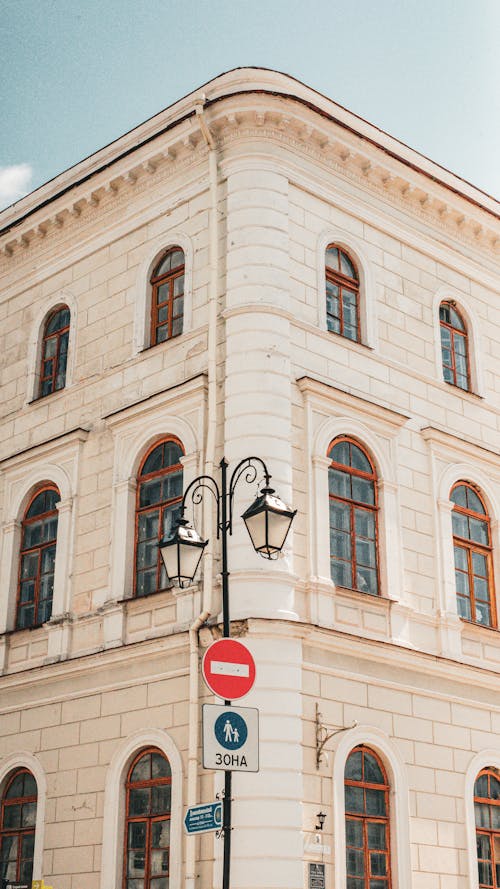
(228, 669)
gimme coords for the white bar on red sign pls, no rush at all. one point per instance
(225, 668)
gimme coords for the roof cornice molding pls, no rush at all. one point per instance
(167, 144)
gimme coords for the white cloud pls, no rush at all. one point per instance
(14, 183)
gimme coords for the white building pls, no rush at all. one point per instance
(254, 271)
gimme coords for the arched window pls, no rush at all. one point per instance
(54, 354)
(167, 296)
(472, 551)
(37, 559)
(342, 293)
(368, 864)
(147, 822)
(17, 828)
(159, 493)
(454, 346)
(353, 517)
(487, 815)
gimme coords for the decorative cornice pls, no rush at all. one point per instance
(455, 444)
(269, 117)
(342, 398)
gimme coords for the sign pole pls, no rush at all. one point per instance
(226, 626)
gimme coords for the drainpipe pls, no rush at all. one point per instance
(192, 776)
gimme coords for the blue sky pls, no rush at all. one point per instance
(76, 74)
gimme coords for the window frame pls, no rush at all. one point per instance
(365, 819)
(444, 325)
(490, 832)
(150, 819)
(38, 548)
(58, 334)
(162, 506)
(19, 832)
(375, 509)
(157, 281)
(465, 543)
(340, 280)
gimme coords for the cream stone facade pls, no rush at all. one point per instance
(253, 176)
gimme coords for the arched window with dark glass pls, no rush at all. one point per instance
(147, 822)
(159, 494)
(454, 346)
(17, 828)
(54, 355)
(352, 486)
(368, 860)
(37, 559)
(342, 293)
(472, 553)
(487, 815)
(167, 296)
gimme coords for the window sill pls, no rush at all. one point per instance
(382, 602)
(478, 628)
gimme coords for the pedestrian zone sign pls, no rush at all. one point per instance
(201, 819)
(230, 738)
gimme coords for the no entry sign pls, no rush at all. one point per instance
(228, 669)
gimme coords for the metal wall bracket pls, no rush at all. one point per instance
(324, 733)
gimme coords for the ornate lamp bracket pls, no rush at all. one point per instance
(324, 733)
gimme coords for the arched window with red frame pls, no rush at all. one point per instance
(167, 296)
(37, 559)
(352, 486)
(368, 858)
(473, 556)
(54, 353)
(454, 346)
(342, 293)
(17, 828)
(159, 494)
(487, 815)
(147, 822)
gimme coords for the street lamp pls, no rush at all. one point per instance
(268, 522)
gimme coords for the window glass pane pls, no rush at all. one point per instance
(362, 490)
(354, 799)
(495, 817)
(484, 869)
(483, 615)
(376, 835)
(160, 834)
(10, 868)
(482, 814)
(25, 617)
(28, 818)
(170, 517)
(459, 496)
(378, 864)
(481, 589)
(137, 835)
(16, 789)
(339, 483)
(162, 334)
(50, 349)
(179, 285)
(460, 558)
(159, 861)
(139, 801)
(481, 786)
(154, 461)
(146, 582)
(378, 884)
(455, 319)
(364, 523)
(346, 266)
(12, 816)
(150, 492)
(375, 802)
(483, 845)
(359, 460)
(373, 772)
(44, 611)
(494, 787)
(341, 574)
(353, 766)
(355, 883)
(460, 525)
(478, 531)
(172, 485)
(340, 516)
(161, 766)
(340, 545)
(459, 343)
(333, 324)
(27, 591)
(163, 314)
(350, 316)
(365, 553)
(447, 372)
(366, 580)
(177, 326)
(29, 785)
(135, 884)
(355, 861)
(160, 883)
(48, 559)
(147, 554)
(462, 382)
(332, 258)
(136, 863)
(32, 534)
(473, 501)
(29, 565)
(444, 313)
(341, 453)
(354, 833)
(148, 526)
(350, 332)
(142, 769)
(160, 804)
(463, 607)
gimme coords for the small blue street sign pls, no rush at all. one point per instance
(231, 730)
(201, 819)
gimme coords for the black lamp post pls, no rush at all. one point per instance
(268, 522)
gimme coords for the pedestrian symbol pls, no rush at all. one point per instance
(230, 730)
